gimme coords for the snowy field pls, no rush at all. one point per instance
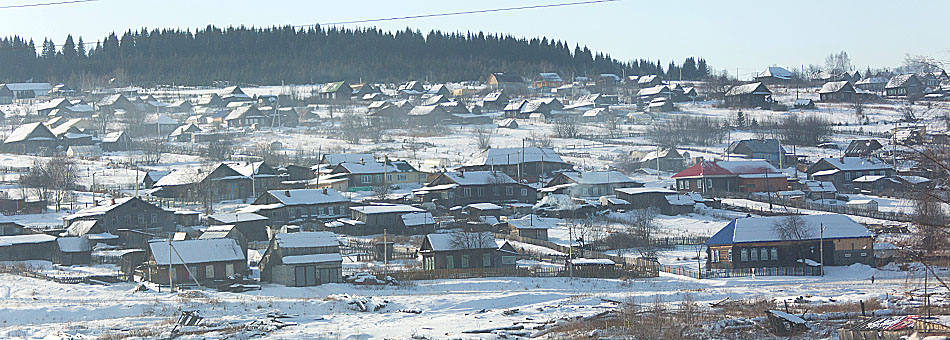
(34, 308)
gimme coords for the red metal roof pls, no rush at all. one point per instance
(704, 168)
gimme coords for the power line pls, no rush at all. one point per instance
(419, 16)
(46, 4)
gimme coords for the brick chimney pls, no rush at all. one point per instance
(324, 190)
(287, 193)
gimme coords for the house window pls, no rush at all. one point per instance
(755, 254)
(389, 177)
(467, 192)
(229, 269)
(744, 255)
(428, 263)
(765, 254)
(449, 262)
(322, 210)
(486, 260)
(524, 192)
(714, 256)
(141, 219)
(366, 179)
(209, 271)
(729, 257)
(774, 254)
(330, 210)
(115, 220)
(192, 271)
(402, 177)
(509, 191)
(154, 218)
(481, 192)
(847, 255)
(464, 261)
(864, 254)
(590, 191)
(379, 178)
(496, 191)
(507, 259)
(174, 274)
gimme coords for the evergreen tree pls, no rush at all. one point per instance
(69, 48)
(81, 48)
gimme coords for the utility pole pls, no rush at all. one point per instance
(171, 284)
(821, 241)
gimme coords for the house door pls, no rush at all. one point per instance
(300, 275)
(324, 275)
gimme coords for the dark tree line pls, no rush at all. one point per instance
(317, 54)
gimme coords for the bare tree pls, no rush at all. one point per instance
(540, 140)
(566, 127)
(908, 113)
(466, 240)
(381, 192)
(53, 180)
(794, 228)
(838, 63)
(482, 138)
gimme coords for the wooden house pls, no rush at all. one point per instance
(774, 75)
(225, 231)
(756, 242)
(300, 206)
(466, 250)
(752, 95)
(588, 183)
(548, 80)
(28, 247)
(366, 174)
(532, 226)
(380, 218)
(116, 141)
(506, 81)
(73, 251)
(450, 189)
(195, 260)
(244, 116)
(530, 164)
(338, 91)
(904, 85)
(302, 259)
(837, 91)
(770, 150)
(731, 176)
(251, 225)
(127, 213)
(843, 170)
(31, 138)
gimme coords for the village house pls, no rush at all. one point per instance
(127, 213)
(863, 148)
(300, 206)
(466, 250)
(588, 183)
(116, 141)
(244, 116)
(836, 91)
(195, 260)
(251, 225)
(495, 101)
(18, 91)
(756, 242)
(774, 75)
(379, 218)
(731, 176)
(904, 85)
(28, 247)
(872, 84)
(450, 189)
(669, 159)
(339, 91)
(650, 80)
(664, 201)
(752, 95)
(532, 226)
(184, 133)
(505, 81)
(548, 80)
(526, 164)
(73, 251)
(365, 174)
(843, 171)
(225, 231)
(301, 259)
(234, 94)
(230, 180)
(770, 150)
(31, 138)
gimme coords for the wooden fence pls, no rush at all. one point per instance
(840, 209)
(65, 279)
(412, 274)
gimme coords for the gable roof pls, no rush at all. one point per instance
(753, 88)
(775, 72)
(336, 86)
(502, 77)
(30, 132)
(761, 229)
(856, 163)
(597, 177)
(728, 168)
(231, 218)
(337, 158)
(900, 80)
(103, 208)
(862, 147)
(196, 251)
(508, 156)
(478, 177)
(307, 196)
(758, 146)
(837, 86)
(460, 241)
(307, 239)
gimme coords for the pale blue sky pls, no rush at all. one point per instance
(749, 35)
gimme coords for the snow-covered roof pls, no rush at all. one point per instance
(337, 158)
(371, 167)
(230, 218)
(386, 208)
(308, 196)
(25, 239)
(605, 262)
(636, 191)
(73, 244)
(80, 228)
(825, 172)
(196, 251)
(914, 179)
(307, 239)
(681, 199)
(868, 179)
(819, 186)
(753, 88)
(479, 177)
(532, 221)
(857, 163)
(484, 206)
(775, 72)
(417, 219)
(598, 177)
(762, 229)
(180, 176)
(460, 240)
(835, 86)
(507, 156)
(103, 208)
(23, 132)
(312, 258)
